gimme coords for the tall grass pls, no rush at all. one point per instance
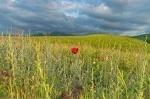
(106, 67)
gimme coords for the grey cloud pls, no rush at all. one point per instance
(76, 15)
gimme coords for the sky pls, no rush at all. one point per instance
(75, 16)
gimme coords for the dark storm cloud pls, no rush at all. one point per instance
(123, 16)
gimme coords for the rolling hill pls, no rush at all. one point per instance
(144, 37)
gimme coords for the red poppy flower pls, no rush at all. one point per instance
(74, 50)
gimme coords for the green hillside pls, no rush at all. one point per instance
(100, 41)
(144, 37)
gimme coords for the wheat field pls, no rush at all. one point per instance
(105, 67)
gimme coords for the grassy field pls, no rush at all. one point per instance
(106, 67)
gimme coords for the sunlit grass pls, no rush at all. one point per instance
(105, 67)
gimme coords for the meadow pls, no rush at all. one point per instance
(105, 67)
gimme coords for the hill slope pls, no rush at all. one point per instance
(99, 41)
(144, 37)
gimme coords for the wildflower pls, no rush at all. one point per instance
(136, 55)
(94, 62)
(74, 50)
(106, 58)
